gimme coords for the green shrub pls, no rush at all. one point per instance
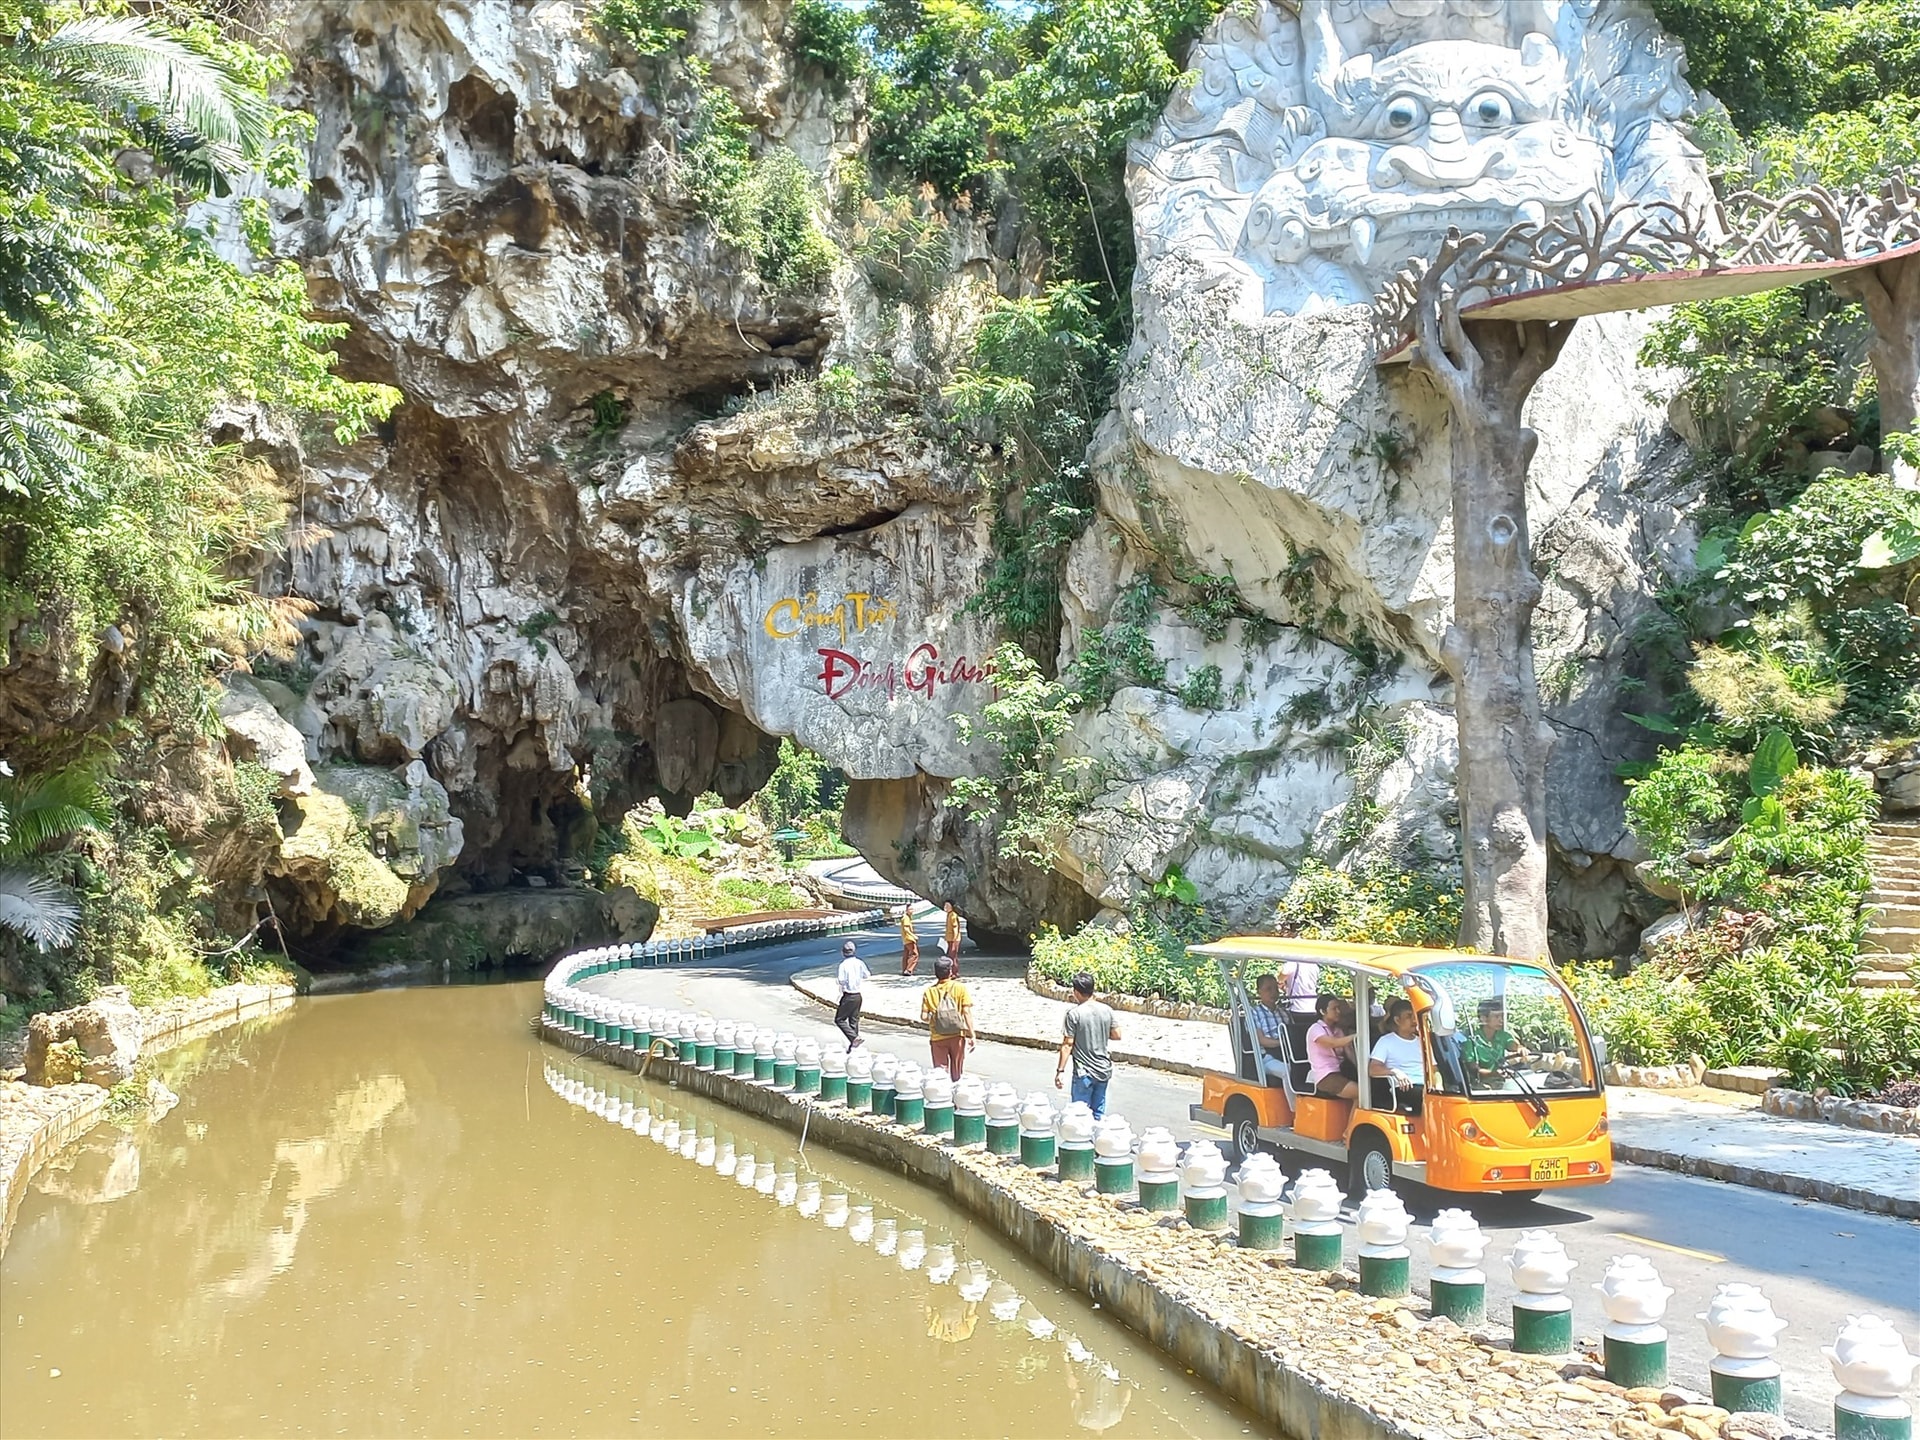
(646, 27)
(1147, 960)
(1376, 904)
(827, 34)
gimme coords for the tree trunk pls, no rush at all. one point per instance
(1504, 740)
(1892, 295)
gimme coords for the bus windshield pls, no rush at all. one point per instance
(1500, 1030)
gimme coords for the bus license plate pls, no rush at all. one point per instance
(1549, 1169)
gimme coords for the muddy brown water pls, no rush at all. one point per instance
(382, 1214)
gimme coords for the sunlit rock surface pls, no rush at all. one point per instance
(597, 555)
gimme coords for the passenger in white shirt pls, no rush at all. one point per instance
(1397, 1059)
(852, 975)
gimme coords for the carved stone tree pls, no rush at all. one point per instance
(1487, 369)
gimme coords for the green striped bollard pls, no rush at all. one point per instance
(763, 1041)
(1381, 1227)
(1260, 1185)
(629, 1026)
(937, 1093)
(1159, 1169)
(723, 1032)
(1542, 1313)
(969, 1111)
(833, 1077)
(885, 1067)
(909, 1096)
(806, 1067)
(860, 1080)
(1456, 1245)
(684, 1039)
(1633, 1339)
(1873, 1367)
(1038, 1144)
(1744, 1333)
(706, 1049)
(1003, 1120)
(1315, 1212)
(1076, 1143)
(785, 1048)
(745, 1037)
(1203, 1179)
(1113, 1157)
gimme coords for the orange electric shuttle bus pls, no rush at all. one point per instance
(1511, 1099)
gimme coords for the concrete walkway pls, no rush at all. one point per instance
(1726, 1137)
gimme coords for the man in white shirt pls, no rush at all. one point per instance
(1397, 1059)
(853, 976)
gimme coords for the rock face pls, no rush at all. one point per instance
(623, 533)
(106, 1032)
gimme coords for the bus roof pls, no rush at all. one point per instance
(1388, 959)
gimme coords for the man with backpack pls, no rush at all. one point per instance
(947, 1009)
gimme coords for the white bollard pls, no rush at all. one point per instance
(1261, 1184)
(1203, 1177)
(1872, 1365)
(1456, 1245)
(1542, 1313)
(1159, 1167)
(1382, 1223)
(1744, 1332)
(1634, 1340)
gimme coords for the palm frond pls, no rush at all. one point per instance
(42, 910)
(42, 810)
(126, 61)
(39, 451)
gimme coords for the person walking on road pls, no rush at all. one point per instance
(909, 942)
(853, 976)
(1088, 1028)
(947, 1009)
(952, 936)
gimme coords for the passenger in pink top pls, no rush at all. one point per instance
(1329, 1042)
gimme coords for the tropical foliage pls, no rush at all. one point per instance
(122, 334)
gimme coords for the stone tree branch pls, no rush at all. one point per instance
(1487, 369)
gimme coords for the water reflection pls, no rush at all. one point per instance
(370, 1217)
(1098, 1394)
(315, 1167)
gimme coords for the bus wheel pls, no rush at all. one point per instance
(1371, 1166)
(1243, 1130)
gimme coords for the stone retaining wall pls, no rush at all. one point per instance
(37, 1122)
(1839, 1110)
(1303, 1351)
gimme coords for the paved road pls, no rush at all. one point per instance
(1818, 1263)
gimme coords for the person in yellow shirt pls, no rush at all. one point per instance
(947, 1009)
(909, 942)
(953, 936)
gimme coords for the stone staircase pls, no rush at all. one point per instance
(1892, 943)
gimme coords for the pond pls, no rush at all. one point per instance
(397, 1213)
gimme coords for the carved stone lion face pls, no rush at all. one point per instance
(1447, 133)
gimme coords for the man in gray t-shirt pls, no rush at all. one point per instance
(1088, 1026)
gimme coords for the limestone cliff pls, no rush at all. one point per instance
(623, 533)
